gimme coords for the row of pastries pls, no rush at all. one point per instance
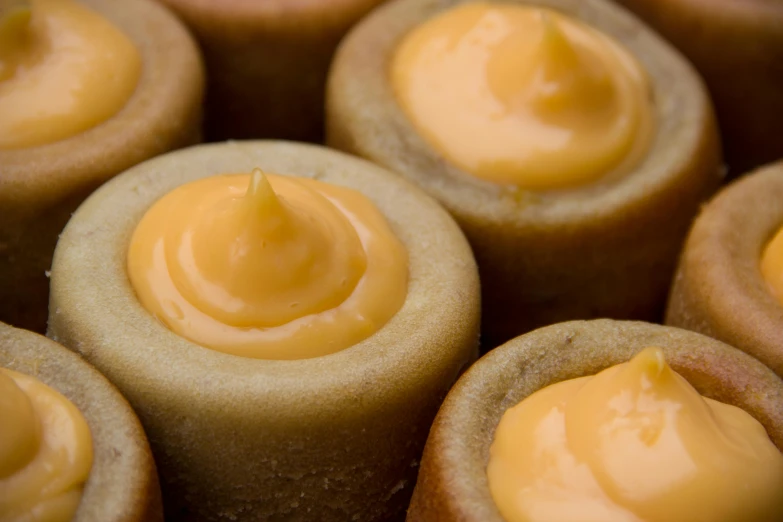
(459, 260)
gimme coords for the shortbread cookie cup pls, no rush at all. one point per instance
(123, 484)
(452, 484)
(332, 438)
(719, 289)
(41, 186)
(267, 62)
(608, 249)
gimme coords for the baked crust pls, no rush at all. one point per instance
(608, 249)
(719, 289)
(452, 484)
(267, 62)
(123, 483)
(338, 436)
(41, 186)
(737, 47)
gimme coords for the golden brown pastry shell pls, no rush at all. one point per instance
(737, 46)
(719, 289)
(267, 62)
(41, 186)
(608, 249)
(332, 438)
(452, 484)
(123, 483)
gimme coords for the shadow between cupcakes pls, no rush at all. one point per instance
(452, 483)
(606, 249)
(719, 289)
(123, 483)
(41, 186)
(338, 435)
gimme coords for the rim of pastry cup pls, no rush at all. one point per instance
(123, 482)
(428, 336)
(722, 256)
(683, 113)
(453, 478)
(144, 127)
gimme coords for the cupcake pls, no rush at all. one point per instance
(607, 420)
(136, 80)
(729, 283)
(267, 62)
(71, 447)
(285, 320)
(736, 46)
(571, 144)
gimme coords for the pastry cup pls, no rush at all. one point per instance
(452, 483)
(41, 186)
(719, 290)
(123, 484)
(332, 438)
(606, 249)
(267, 62)
(736, 46)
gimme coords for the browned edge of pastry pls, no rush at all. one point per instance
(332, 438)
(267, 62)
(123, 483)
(41, 186)
(607, 249)
(719, 289)
(452, 484)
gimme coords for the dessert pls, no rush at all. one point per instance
(330, 418)
(729, 271)
(736, 47)
(571, 144)
(71, 448)
(136, 83)
(611, 419)
(267, 62)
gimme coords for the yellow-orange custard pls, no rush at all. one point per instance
(634, 443)
(63, 70)
(45, 451)
(523, 95)
(772, 265)
(268, 266)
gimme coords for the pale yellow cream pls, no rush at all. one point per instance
(63, 70)
(634, 443)
(45, 451)
(523, 95)
(268, 266)
(772, 265)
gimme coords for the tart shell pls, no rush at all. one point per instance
(123, 484)
(608, 249)
(331, 438)
(267, 62)
(452, 483)
(41, 186)
(719, 289)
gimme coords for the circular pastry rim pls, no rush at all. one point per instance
(458, 447)
(368, 49)
(114, 464)
(106, 319)
(723, 255)
(46, 172)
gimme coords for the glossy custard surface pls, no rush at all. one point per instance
(45, 451)
(63, 70)
(523, 95)
(268, 266)
(772, 265)
(634, 443)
